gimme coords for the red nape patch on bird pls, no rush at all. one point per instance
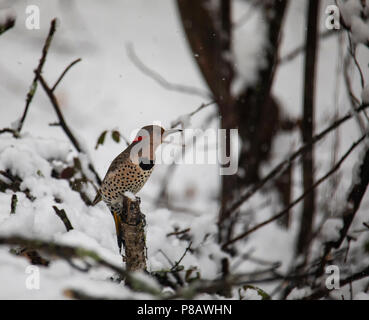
(139, 138)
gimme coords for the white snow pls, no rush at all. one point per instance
(361, 296)
(130, 195)
(331, 228)
(351, 14)
(360, 30)
(349, 9)
(248, 46)
(298, 294)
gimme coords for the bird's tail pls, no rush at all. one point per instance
(118, 228)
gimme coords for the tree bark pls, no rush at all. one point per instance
(133, 235)
(307, 128)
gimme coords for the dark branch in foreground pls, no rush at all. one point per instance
(15, 133)
(68, 253)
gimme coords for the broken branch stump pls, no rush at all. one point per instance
(132, 222)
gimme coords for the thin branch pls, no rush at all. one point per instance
(180, 260)
(159, 79)
(64, 72)
(280, 167)
(38, 71)
(55, 104)
(8, 24)
(301, 49)
(352, 51)
(301, 197)
(352, 206)
(180, 232)
(176, 123)
(166, 257)
(62, 122)
(353, 99)
(64, 218)
(15, 133)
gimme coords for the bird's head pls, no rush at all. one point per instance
(153, 135)
(148, 139)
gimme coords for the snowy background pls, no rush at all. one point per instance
(107, 91)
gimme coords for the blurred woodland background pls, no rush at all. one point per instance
(291, 76)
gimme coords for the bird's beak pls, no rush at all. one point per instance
(170, 131)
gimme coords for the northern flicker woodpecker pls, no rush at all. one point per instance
(130, 170)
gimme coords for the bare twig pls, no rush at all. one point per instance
(159, 79)
(281, 166)
(301, 197)
(179, 232)
(166, 257)
(301, 49)
(162, 194)
(353, 99)
(64, 72)
(55, 104)
(352, 51)
(64, 218)
(15, 133)
(8, 24)
(62, 122)
(38, 71)
(180, 260)
(202, 106)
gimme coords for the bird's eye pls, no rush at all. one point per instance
(139, 138)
